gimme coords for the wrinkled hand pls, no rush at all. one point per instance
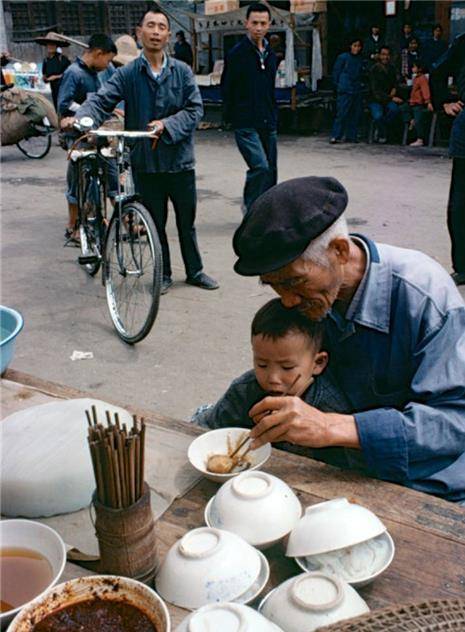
(290, 420)
(452, 109)
(159, 124)
(67, 122)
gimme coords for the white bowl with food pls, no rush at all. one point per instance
(344, 538)
(259, 507)
(222, 442)
(96, 600)
(226, 617)
(310, 601)
(211, 565)
(32, 558)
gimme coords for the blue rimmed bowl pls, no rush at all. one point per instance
(11, 323)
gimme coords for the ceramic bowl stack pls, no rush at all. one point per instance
(216, 442)
(310, 601)
(227, 617)
(257, 506)
(210, 565)
(343, 539)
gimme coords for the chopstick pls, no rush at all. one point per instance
(248, 437)
(118, 458)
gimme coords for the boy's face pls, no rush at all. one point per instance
(101, 59)
(277, 363)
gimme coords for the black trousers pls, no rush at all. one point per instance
(456, 214)
(155, 190)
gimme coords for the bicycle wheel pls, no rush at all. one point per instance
(35, 146)
(132, 272)
(90, 222)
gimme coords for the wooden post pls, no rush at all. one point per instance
(194, 45)
(442, 15)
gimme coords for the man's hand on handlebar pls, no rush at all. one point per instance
(157, 126)
(68, 122)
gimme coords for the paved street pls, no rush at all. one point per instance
(200, 339)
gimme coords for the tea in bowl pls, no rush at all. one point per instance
(222, 442)
(32, 559)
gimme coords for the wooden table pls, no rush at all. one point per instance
(429, 533)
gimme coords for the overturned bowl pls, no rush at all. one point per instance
(211, 565)
(106, 587)
(227, 617)
(259, 507)
(310, 601)
(218, 442)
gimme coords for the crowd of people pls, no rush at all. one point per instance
(394, 84)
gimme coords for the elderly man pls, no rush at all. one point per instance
(395, 326)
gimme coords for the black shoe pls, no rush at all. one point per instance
(166, 284)
(203, 281)
(333, 141)
(458, 278)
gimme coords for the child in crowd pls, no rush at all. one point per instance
(420, 100)
(285, 345)
(348, 80)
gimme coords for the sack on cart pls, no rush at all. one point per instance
(20, 110)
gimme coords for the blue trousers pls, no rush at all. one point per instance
(383, 115)
(348, 112)
(259, 150)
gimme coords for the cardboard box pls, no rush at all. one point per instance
(212, 7)
(308, 6)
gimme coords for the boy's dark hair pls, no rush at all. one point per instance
(355, 38)
(257, 7)
(102, 42)
(181, 35)
(154, 9)
(274, 321)
(420, 65)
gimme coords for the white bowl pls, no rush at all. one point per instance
(27, 534)
(358, 565)
(108, 587)
(216, 442)
(310, 601)
(331, 525)
(226, 617)
(259, 507)
(210, 565)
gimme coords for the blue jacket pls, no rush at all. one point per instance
(174, 98)
(348, 73)
(398, 354)
(78, 82)
(247, 87)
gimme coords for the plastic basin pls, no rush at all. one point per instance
(11, 323)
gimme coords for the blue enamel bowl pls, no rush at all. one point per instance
(11, 323)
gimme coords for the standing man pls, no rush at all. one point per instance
(453, 63)
(247, 86)
(79, 81)
(159, 90)
(55, 64)
(434, 48)
(182, 49)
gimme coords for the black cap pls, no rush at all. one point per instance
(284, 220)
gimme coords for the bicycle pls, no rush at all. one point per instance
(126, 246)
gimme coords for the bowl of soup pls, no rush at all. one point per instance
(32, 559)
(96, 602)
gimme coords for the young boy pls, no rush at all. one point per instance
(285, 345)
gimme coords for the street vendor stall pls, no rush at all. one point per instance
(429, 533)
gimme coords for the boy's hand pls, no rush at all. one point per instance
(296, 422)
(67, 122)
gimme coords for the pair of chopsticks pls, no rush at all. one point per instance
(118, 459)
(248, 437)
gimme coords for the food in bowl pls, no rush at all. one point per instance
(24, 574)
(226, 463)
(93, 614)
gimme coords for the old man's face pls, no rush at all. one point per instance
(310, 287)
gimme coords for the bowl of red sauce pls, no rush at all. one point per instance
(98, 602)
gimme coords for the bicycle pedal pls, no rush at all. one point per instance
(84, 260)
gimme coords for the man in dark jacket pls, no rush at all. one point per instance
(384, 103)
(453, 63)
(249, 102)
(433, 48)
(159, 90)
(182, 49)
(372, 45)
(55, 64)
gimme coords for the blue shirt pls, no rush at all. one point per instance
(348, 73)
(398, 354)
(78, 82)
(174, 98)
